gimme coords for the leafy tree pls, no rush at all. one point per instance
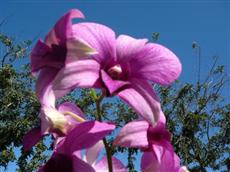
(197, 115)
(19, 106)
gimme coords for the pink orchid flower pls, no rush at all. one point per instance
(123, 66)
(59, 45)
(59, 48)
(83, 136)
(91, 157)
(58, 122)
(158, 154)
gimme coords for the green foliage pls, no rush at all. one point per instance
(19, 106)
(155, 36)
(198, 116)
(13, 50)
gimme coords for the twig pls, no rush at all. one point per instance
(107, 148)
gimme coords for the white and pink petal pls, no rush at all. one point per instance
(149, 162)
(127, 47)
(102, 165)
(99, 37)
(44, 87)
(93, 153)
(155, 63)
(133, 134)
(63, 28)
(85, 135)
(80, 165)
(141, 97)
(70, 107)
(82, 73)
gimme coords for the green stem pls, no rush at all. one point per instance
(107, 147)
(109, 155)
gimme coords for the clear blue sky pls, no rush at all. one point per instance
(179, 23)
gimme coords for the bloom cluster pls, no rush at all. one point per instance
(88, 55)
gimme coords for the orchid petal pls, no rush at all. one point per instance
(71, 107)
(143, 100)
(78, 48)
(43, 56)
(81, 73)
(118, 166)
(99, 37)
(31, 138)
(156, 63)
(52, 119)
(93, 152)
(77, 154)
(170, 161)
(160, 160)
(158, 151)
(44, 89)
(162, 118)
(112, 85)
(85, 135)
(129, 134)
(102, 165)
(63, 28)
(149, 162)
(40, 57)
(58, 140)
(80, 165)
(58, 162)
(159, 135)
(52, 53)
(127, 47)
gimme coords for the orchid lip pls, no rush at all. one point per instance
(74, 116)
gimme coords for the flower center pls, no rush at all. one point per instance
(155, 134)
(157, 137)
(54, 119)
(115, 72)
(59, 52)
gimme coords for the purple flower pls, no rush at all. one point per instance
(158, 154)
(58, 122)
(123, 66)
(66, 152)
(59, 48)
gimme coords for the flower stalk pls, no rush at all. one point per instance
(107, 147)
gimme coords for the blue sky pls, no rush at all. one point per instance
(179, 23)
